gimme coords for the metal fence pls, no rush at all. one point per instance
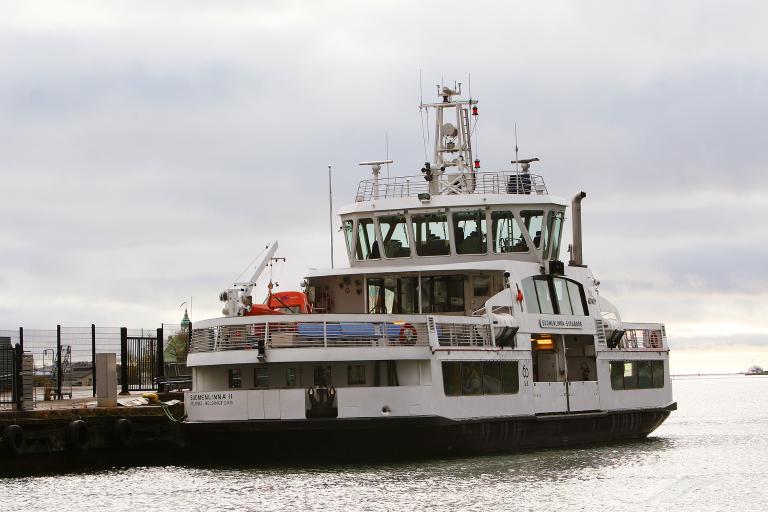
(64, 358)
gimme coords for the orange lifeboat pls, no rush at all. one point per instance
(282, 303)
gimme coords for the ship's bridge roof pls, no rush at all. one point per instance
(449, 200)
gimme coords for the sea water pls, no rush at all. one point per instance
(711, 454)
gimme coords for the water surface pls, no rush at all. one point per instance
(711, 454)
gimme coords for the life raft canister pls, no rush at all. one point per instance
(408, 334)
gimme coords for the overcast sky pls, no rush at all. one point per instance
(149, 150)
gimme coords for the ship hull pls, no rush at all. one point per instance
(426, 436)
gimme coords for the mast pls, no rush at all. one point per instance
(451, 169)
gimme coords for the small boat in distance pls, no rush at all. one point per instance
(456, 328)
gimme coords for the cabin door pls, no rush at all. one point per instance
(581, 371)
(550, 394)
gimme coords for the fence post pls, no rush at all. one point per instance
(17, 388)
(93, 358)
(160, 360)
(124, 361)
(21, 338)
(59, 368)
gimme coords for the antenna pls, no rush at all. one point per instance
(386, 149)
(517, 164)
(421, 114)
(330, 211)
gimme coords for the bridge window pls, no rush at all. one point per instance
(555, 225)
(394, 236)
(367, 247)
(470, 232)
(533, 221)
(442, 294)
(568, 295)
(431, 232)
(507, 236)
(349, 235)
(637, 374)
(473, 378)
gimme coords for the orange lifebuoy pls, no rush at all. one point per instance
(408, 334)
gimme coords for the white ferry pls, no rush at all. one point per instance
(456, 328)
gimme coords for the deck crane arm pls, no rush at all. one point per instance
(234, 297)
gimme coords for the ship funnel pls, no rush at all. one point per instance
(576, 258)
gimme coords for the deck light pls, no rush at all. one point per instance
(474, 110)
(477, 163)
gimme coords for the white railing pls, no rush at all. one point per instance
(502, 182)
(463, 332)
(329, 331)
(643, 337)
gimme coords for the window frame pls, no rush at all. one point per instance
(550, 280)
(408, 234)
(412, 224)
(524, 232)
(452, 225)
(508, 368)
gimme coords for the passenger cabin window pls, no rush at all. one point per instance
(474, 378)
(394, 236)
(291, 377)
(442, 294)
(637, 374)
(349, 235)
(356, 375)
(390, 295)
(470, 232)
(431, 232)
(552, 243)
(507, 236)
(533, 221)
(234, 378)
(551, 295)
(261, 378)
(367, 247)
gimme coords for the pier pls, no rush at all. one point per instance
(90, 395)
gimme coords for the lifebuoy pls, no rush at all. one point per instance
(77, 436)
(123, 432)
(13, 439)
(408, 334)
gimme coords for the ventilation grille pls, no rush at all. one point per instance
(600, 328)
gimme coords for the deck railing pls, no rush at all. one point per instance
(643, 336)
(501, 182)
(322, 331)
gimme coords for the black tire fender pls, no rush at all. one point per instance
(77, 436)
(123, 432)
(13, 440)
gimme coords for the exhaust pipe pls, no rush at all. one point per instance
(576, 259)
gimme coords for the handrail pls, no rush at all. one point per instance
(500, 182)
(323, 331)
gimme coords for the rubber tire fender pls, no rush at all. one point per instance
(123, 432)
(13, 440)
(77, 436)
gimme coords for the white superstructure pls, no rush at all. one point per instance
(456, 306)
